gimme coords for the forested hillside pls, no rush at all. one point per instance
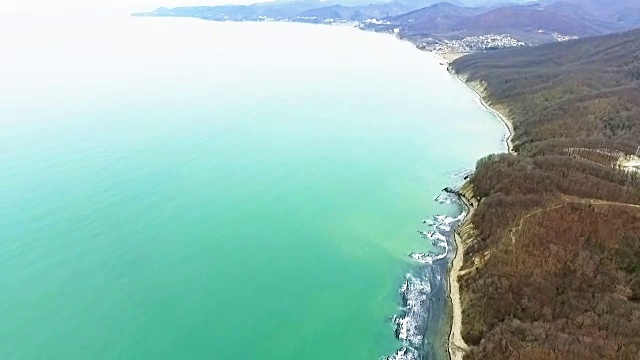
(580, 93)
(552, 255)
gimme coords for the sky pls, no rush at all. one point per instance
(55, 7)
(13, 8)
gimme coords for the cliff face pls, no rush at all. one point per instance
(552, 269)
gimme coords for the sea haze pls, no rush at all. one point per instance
(174, 188)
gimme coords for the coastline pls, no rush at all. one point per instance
(450, 334)
(456, 344)
(478, 89)
(508, 124)
(451, 339)
(456, 347)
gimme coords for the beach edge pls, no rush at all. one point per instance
(456, 346)
(480, 90)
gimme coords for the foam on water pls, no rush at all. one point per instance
(463, 174)
(406, 353)
(112, 178)
(445, 198)
(417, 289)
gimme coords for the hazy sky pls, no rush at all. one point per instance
(55, 7)
(12, 7)
(23, 7)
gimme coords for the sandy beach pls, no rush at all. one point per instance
(480, 92)
(478, 88)
(457, 346)
(450, 56)
(445, 58)
(505, 120)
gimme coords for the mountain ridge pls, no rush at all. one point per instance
(530, 23)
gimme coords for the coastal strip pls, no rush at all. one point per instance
(419, 288)
(457, 346)
(410, 327)
(479, 89)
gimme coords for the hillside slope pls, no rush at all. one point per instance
(552, 255)
(436, 19)
(360, 13)
(610, 10)
(534, 23)
(275, 10)
(581, 92)
(525, 18)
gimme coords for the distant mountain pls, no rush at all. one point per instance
(533, 23)
(630, 17)
(606, 9)
(436, 19)
(614, 11)
(524, 19)
(371, 11)
(571, 9)
(279, 10)
(492, 3)
(611, 20)
(290, 10)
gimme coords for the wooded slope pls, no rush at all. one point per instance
(552, 267)
(582, 93)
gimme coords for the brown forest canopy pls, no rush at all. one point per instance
(553, 268)
(580, 93)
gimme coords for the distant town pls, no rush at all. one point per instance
(468, 44)
(434, 26)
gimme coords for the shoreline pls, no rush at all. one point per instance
(447, 59)
(506, 122)
(456, 344)
(443, 58)
(457, 347)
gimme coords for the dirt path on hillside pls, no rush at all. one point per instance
(457, 345)
(567, 200)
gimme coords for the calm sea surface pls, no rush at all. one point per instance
(181, 189)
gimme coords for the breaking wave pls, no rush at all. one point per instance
(446, 198)
(418, 289)
(404, 354)
(463, 174)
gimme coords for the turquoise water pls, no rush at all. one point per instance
(174, 188)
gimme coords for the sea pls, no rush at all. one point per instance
(183, 189)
